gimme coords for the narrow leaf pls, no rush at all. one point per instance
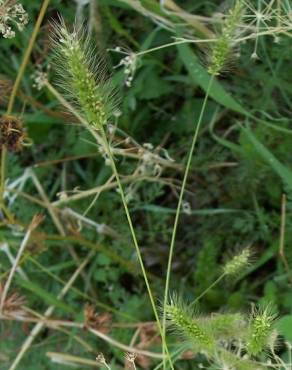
(269, 158)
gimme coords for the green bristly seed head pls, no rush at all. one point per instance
(223, 46)
(92, 92)
(227, 360)
(190, 328)
(237, 263)
(227, 326)
(260, 330)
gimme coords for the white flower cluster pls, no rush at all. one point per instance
(148, 161)
(10, 16)
(129, 62)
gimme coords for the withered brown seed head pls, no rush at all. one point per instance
(13, 303)
(11, 133)
(101, 322)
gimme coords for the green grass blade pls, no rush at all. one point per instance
(280, 169)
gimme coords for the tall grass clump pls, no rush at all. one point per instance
(97, 296)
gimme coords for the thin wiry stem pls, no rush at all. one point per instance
(139, 256)
(208, 289)
(179, 205)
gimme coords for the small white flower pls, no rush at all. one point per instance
(40, 78)
(129, 62)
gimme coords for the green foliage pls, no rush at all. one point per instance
(234, 194)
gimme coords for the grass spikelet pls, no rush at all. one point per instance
(238, 263)
(84, 76)
(224, 44)
(188, 326)
(228, 326)
(260, 330)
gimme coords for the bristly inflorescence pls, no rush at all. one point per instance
(187, 325)
(83, 76)
(260, 330)
(238, 263)
(225, 325)
(225, 42)
(232, 341)
(11, 15)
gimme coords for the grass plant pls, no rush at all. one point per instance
(158, 126)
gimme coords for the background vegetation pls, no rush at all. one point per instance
(78, 285)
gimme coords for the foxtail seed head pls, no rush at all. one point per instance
(83, 76)
(227, 326)
(223, 46)
(189, 327)
(238, 263)
(260, 330)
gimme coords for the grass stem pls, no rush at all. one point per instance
(179, 205)
(139, 256)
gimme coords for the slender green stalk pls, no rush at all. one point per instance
(123, 197)
(16, 86)
(231, 268)
(208, 289)
(178, 42)
(220, 54)
(179, 205)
